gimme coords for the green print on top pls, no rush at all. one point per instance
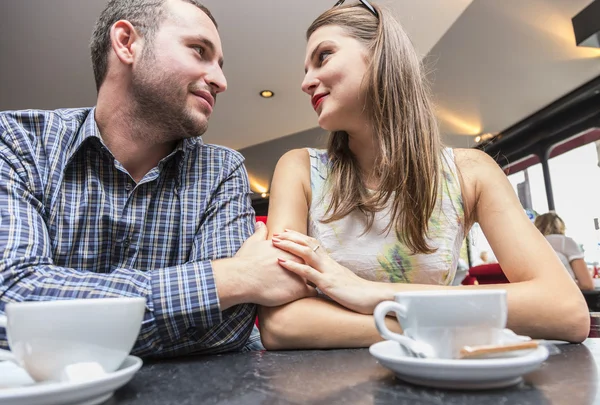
(378, 255)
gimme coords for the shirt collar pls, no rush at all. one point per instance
(192, 143)
(89, 130)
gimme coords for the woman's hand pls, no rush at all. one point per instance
(333, 279)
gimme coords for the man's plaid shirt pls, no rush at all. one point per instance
(73, 224)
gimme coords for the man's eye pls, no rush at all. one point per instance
(200, 50)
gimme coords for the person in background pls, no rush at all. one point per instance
(484, 257)
(386, 207)
(570, 254)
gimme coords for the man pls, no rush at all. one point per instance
(124, 199)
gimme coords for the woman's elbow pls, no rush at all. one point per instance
(576, 321)
(272, 327)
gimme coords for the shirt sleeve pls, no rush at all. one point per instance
(228, 222)
(572, 250)
(182, 310)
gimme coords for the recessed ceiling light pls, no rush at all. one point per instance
(477, 139)
(264, 195)
(267, 94)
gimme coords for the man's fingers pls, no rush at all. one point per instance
(260, 231)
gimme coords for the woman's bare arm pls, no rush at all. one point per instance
(536, 274)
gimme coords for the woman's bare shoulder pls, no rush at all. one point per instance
(295, 158)
(467, 158)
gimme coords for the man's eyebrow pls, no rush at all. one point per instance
(314, 52)
(208, 43)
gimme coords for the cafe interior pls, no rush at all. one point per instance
(519, 80)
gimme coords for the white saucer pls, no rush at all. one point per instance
(457, 374)
(23, 391)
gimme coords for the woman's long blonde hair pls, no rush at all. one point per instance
(407, 140)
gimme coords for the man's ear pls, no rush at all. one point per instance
(126, 41)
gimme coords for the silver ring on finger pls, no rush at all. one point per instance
(316, 248)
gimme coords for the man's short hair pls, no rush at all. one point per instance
(144, 15)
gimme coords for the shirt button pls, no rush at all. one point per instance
(126, 242)
(128, 187)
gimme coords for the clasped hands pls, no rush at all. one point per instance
(336, 281)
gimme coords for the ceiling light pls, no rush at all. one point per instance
(461, 125)
(267, 94)
(483, 137)
(264, 195)
(586, 26)
(257, 185)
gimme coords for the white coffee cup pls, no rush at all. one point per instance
(442, 321)
(48, 338)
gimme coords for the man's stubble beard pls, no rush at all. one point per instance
(160, 104)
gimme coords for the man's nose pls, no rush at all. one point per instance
(216, 80)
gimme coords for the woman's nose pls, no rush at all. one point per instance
(309, 84)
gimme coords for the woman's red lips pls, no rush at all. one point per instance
(318, 99)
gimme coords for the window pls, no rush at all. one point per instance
(479, 246)
(576, 188)
(527, 179)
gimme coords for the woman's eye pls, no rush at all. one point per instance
(323, 55)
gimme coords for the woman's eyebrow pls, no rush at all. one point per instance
(314, 52)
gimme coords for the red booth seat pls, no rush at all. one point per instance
(469, 280)
(490, 273)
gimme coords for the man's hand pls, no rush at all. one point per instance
(254, 275)
(271, 284)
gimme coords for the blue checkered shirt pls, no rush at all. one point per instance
(73, 224)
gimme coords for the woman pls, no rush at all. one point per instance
(553, 228)
(386, 207)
